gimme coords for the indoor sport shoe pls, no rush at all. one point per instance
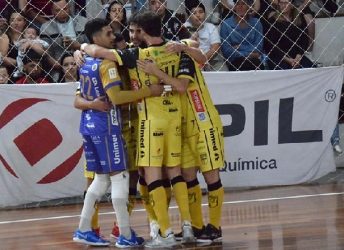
(115, 232)
(188, 234)
(214, 233)
(337, 149)
(154, 229)
(201, 235)
(89, 238)
(134, 241)
(162, 242)
(96, 231)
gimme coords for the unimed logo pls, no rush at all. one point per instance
(37, 141)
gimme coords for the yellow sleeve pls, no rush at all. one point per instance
(119, 58)
(113, 85)
(109, 74)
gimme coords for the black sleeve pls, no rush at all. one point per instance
(129, 57)
(186, 65)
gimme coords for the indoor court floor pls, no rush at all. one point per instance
(308, 216)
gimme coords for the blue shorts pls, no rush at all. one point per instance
(105, 153)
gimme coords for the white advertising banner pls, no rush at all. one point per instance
(277, 127)
(41, 148)
(277, 124)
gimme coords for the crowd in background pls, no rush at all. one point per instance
(38, 37)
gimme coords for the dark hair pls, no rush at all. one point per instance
(150, 23)
(190, 4)
(33, 26)
(31, 56)
(124, 20)
(61, 73)
(94, 26)
(133, 19)
(119, 37)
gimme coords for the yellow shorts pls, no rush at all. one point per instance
(129, 131)
(159, 143)
(88, 174)
(203, 149)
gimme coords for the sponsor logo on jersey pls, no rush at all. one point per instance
(94, 67)
(112, 73)
(142, 133)
(94, 80)
(116, 151)
(197, 101)
(114, 120)
(202, 116)
(172, 110)
(166, 102)
(159, 133)
(213, 139)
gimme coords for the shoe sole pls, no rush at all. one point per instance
(89, 243)
(126, 246)
(188, 240)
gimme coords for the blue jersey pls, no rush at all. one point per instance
(96, 76)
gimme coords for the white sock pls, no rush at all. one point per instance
(119, 196)
(95, 191)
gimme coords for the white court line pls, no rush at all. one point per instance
(174, 207)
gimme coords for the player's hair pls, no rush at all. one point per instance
(150, 23)
(94, 26)
(133, 19)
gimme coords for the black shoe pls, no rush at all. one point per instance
(178, 236)
(214, 233)
(201, 235)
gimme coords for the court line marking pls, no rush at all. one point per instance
(175, 207)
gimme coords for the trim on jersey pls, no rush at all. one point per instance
(207, 143)
(112, 84)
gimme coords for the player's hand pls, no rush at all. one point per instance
(156, 89)
(101, 104)
(175, 47)
(79, 57)
(147, 66)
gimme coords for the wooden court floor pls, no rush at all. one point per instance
(293, 217)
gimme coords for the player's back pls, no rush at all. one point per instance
(91, 87)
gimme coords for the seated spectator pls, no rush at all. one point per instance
(9, 49)
(64, 31)
(69, 72)
(286, 40)
(242, 39)
(172, 27)
(116, 16)
(38, 11)
(30, 41)
(32, 68)
(4, 75)
(206, 34)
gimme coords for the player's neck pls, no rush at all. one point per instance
(154, 40)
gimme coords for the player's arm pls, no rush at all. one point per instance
(179, 84)
(189, 47)
(112, 85)
(97, 51)
(99, 104)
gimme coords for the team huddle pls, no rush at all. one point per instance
(148, 120)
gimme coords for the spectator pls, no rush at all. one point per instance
(172, 27)
(69, 72)
(38, 11)
(64, 31)
(32, 69)
(117, 17)
(9, 49)
(4, 76)
(206, 34)
(286, 40)
(242, 39)
(31, 40)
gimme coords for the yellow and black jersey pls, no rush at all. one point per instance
(175, 65)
